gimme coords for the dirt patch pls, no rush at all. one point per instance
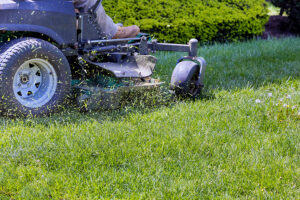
(278, 26)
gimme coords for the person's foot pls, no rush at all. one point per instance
(127, 32)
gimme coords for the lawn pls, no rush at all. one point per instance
(240, 140)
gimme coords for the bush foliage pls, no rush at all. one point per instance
(180, 20)
(292, 8)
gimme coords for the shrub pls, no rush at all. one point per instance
(180, 20)
(292, 8)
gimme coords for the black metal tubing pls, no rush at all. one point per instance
(191, 48)
(168, 47)
(102, 50)
(96, 50)
(112, 40)
(106, 47)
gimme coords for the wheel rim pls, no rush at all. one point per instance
(35, 83)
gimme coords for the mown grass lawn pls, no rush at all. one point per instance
(241, 140)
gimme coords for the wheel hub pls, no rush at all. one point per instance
(35, 83)
(24, 79)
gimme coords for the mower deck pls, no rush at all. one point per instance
(93, 98)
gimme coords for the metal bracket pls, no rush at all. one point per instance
(143, 47)
(82, 63)
(193, 44)
(201, 62)
(191, 48)
(154, 46)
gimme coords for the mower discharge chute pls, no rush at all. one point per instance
(43, 56)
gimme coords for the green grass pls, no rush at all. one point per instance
(238, 141)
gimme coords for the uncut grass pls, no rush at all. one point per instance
(224, 145)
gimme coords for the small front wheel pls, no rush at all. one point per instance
(185, 80)
(35, 78)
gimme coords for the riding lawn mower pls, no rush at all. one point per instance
(48, 52)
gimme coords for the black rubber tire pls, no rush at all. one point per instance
(184, 80)
(17, 52)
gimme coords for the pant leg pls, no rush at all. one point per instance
(107, 26)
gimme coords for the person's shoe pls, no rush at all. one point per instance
(127, 32)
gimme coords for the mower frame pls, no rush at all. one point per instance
(128, 58)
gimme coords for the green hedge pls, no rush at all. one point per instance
(180, 20)
(292, 8)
